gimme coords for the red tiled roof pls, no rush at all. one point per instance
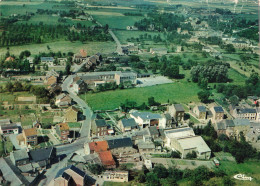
(30, 132)
(106, 158)
(98, 146)
(9, 59)
(63, 126)
(83, 53)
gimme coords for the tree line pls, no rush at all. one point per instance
(18, 34)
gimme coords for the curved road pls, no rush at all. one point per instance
(87, 112)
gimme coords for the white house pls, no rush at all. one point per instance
(147, 119)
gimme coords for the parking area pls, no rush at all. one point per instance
(153, 80)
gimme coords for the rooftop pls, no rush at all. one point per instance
(100, 123)
(241, 122)
(106, 158)
(146, 115)
(119, 143)
(194, 142)
(63, 126)
(20, 154)
(41, 154)
(129, 122)
(30, 132)
(153, 130)
(218, 109)
(202, 108)
(179, 107)
(98, 146)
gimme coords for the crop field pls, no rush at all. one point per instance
(63, 46)
(181, 92)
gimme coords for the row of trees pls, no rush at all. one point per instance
(41, 33)
(251, 87)
(169, 177)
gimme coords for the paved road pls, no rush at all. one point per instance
(75, 68)
(118, 44)
(87, 112)
(53, 171)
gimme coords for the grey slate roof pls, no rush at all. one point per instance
(20, 155)
(153, 130)
(202, 108)
(101, 123)
(9, 126)
(241, 122)
(223, 125)
(5, 121)
(246, 110)
(129, 122)
(41, 154)
(71, 167)
(119, 143)
(179, 107)
(218, 109)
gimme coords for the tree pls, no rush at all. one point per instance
(67, 69)
(234, 100)
(204, 96)
(152, 102)
(191, 155)
(230, 48)
(152, 179)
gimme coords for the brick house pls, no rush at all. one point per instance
(51, 80)
(30, 136)
(63, 100)
(245, 113)
(71, 114)
(63, 130)
(99, 127)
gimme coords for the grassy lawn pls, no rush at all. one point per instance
(182, 92)
(63, 46)
(237, 78)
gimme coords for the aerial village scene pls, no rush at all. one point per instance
(129, 92)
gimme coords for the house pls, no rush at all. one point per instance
(146, 146)
(79, 86)
(252, 135)
(189, 144)
(5, 121)
(9, 59)
(115, 176)
(52, 73)
(218, 113)
(127, 124)
(55, 89)
(241, 125)
(19, 157)
(9, 129)
(153, 131)
(240, 44)
(177, 133)
(169, 121)
(63, 100)
(147, 119)
(121, 147)
(161, 51)
(107, 159)
(30, 136)
(42, 157)
(206, 49)
(80, 57)
(71, 114)
(225, 127)
(99, 128)
(101, 148)
(244, 113)
(176, 111)
(63, 131)
(97, 146)
(47, 60)
(200, 111)
(69, 176)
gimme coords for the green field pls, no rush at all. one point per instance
(114, 17)
(237, 78)
(123, 35)
(63, 46)
(182, 92)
